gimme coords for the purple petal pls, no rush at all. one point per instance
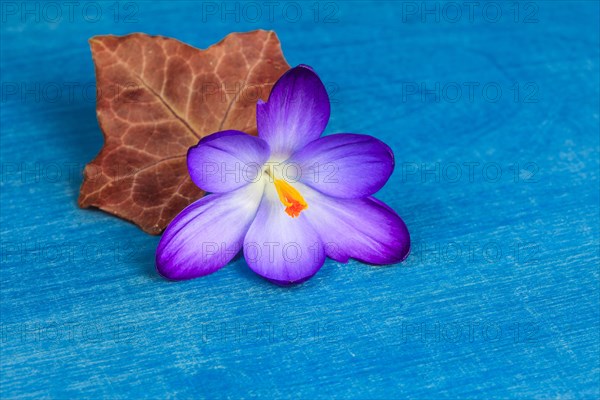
(365, 229)
(282, 249)
(295, 114)
(207, 234)
(227, 160)
(345, 165)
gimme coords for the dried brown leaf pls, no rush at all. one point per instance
(157, 97)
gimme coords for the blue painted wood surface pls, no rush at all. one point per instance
(493, 114)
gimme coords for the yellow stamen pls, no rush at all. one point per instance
(290, 197)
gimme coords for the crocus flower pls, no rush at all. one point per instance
(288, 197)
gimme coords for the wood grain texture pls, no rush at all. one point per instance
(499, 297)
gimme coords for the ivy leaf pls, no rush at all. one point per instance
(156, 97)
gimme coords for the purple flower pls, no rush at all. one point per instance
(288, 197)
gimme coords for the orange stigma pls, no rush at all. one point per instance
(291, 198)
